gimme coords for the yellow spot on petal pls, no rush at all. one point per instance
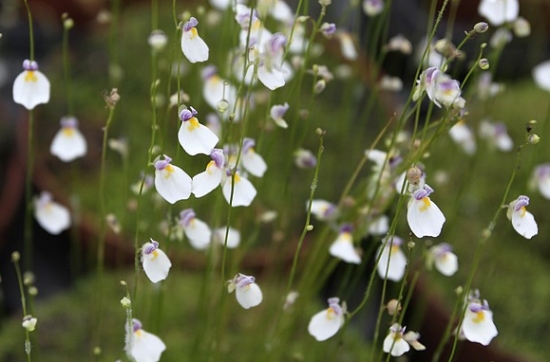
(169, 170)
(30, 76)
(522, 211)
(193, 124)
(194, 33)
(155, 255)
(138, 333)
(480, 317)
(394, 249)
(426, 204)
(210, 166)
(237, 178)
(330, 313)
(68, 131)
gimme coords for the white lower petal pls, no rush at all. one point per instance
(196, 139)
(271, 78)
(244, 192)
(524, 223)
(541, 74)
(30, 91)
(173, 185)
(249, 296)
(324, 324)
(479, 330)
(397, 263)
(205, 182)
(199, 234)
(68, 144)
(254, 163)
(156, 265)
(194, 48)
(447, 264)
(233, 237)
(424, 218)
(395, 348)
(53, 217)
(146, 347)
(499, 11)
(343, 249)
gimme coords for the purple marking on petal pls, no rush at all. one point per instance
(149, 180)
(30, 65)
(543, 171)
(346, 228)
(443, 249)
(186, 115)
(136, 325)
(423, 192)
(69, 122)
(193, 22)
(393, 241)
(152, 246)
(243, 280)
(394, 161)
(218, 157)
(186, 216)
(476, 307)
(248, 143)
(329, 29)
(44, 199)
(430, 74)
(228, 172)
(278, 111)
(333, 303)
(208, 72)
(520, 202)
(276, 43)
(162, 164)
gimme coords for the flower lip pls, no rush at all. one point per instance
(161, 164)
(218, 157)
(30, 65)
(423, 192)
(153, 245)
(333, 304)
(193, 22)
(242, 280)
(520, 202)
(186, 216)
(187, 114)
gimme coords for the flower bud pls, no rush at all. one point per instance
(126, 302)
(320, 86)
(533, 139)
(33, 291)
(483, 63)
(414, 175)
(29, 323)
(481, 27)
(522, 27)
(157, 40)
(393, 306)
(15, 256)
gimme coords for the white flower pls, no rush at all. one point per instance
(522, 220)
(31, 87)
(541, 74)
(192, 45)
(142, 346)
(251, 161)
(347, 46)
(497, 135)
(394, 343)
(68, 143)
(440, 87)
(373, 7)
(248, 293)
(478, 325)
(29, 323)
(392, 261)
(171, 182)
(324, 210)
(445, 261)
(157, 40)
(400, 44)
(277, 113)
(463, 136)
(327, 322)
(216, 88)
(194, 137)
(205, 182)
(233, 237)
(197, 231)
(156, 264)
(243, 190)
(53, 217)
(271, 70)
(304, 158)
(342, 247)
(391, 84)
(541, 179)
(499, 12)
(423, 216)
(379, 225)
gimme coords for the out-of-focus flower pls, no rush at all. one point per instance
(192, 45)
(499, 12)
(501, 37)
(399, 44)
(248, 293)
(445, 261)
(304, 158)
(233, 237)
(277, 113)
(155, 262)
(53, 217)
(29, 323)
(392, 261)
(391, 84)
(252, 161)
(328, 30)
(142, 346)
(196, 230)
(478, 325)
(522, 27)
(464, 137)
(327, 322)
(497, 135)
(31, 87)
(342, 247)
(69, 143)
(541, 179)
(522, 220)
(157, 40)
(373, 7)
(324, 210)
(541, 75)
(347, 45)
(440, 87)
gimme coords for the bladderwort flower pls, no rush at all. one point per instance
(142, 346)
(541, 179)
(478, 325)
(400, 44)
(397, 341)
(497, 135)
(53, 217)
(373, 7)
(243, 190)
(248, 293)
(29, 323)
(69, 143)
(423, 215)
(196, 230)
(440, 88)
(390, 84)
(304, 158)
(328, 30)
(392, 260)
(156, 264)
(442, 257)
(192, 45)
(498, 12)
(233, 237)
(327, 322)
(324, 210)
(541, 75)
(379, 225)
(157, 40)
(277, 9)
(171, 182)
(31, 87)
(277, 113)
(463, 135)
(347, 45)
(342, 247)
(194, 137)
(206, 181)
(252, 161)
(217, 89)
(272, 71)
(522, 220)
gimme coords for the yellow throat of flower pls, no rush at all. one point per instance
(30, 76)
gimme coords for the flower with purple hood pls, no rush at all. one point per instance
(423, 215)
(206, 181)
(171, 182)
(522, 220)
(31, 87)
(194, 137)
(192, 45)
